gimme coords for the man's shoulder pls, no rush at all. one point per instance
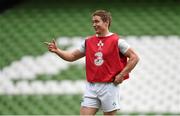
(90, 37)
(115, 37)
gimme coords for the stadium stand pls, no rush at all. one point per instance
(29, 85)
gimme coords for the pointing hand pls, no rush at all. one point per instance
(52, 47)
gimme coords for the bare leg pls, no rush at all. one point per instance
(88, 111)
(112, 113)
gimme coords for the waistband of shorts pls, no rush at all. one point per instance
(99, 82)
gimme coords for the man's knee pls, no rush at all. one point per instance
(111, 112)
(88, 111)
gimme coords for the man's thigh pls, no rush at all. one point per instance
(90, 103)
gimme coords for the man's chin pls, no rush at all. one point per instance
(97, 32)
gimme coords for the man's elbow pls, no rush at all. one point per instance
(70, 60)
(136, 58)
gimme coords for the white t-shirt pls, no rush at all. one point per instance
(122, 44)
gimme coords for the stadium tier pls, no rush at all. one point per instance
(35, 81)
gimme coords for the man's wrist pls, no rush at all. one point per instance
(57, 51)
(121, 74)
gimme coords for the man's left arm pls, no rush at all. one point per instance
(133, 59)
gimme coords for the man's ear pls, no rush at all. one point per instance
(107, 23)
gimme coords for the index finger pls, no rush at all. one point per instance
(54, 41)
(47, 43)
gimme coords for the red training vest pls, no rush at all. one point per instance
(103, 58)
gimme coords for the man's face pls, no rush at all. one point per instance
(99, 25)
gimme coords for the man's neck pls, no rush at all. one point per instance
(104, 34)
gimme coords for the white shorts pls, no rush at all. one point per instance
(103, 96)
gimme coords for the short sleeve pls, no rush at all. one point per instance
(82, 47)
(123, 46)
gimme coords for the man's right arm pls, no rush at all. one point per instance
(70, 55)
(65, 55)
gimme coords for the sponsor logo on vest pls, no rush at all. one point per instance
(98, 61)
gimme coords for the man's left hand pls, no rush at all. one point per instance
(118, 79)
